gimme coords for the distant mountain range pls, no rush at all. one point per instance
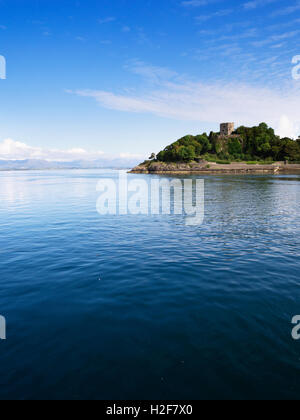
(36, 164)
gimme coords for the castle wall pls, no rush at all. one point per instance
(226, 129)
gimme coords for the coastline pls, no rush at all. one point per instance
(209, 168)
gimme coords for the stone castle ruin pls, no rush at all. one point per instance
(226, 137)
(226, 129)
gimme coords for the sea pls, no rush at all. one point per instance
(146, 306)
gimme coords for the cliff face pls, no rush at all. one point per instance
(204, 167)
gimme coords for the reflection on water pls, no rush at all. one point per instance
(135, 307)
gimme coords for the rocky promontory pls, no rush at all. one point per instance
(245, 150)
(204, 167)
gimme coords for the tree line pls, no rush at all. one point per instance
(258, 143)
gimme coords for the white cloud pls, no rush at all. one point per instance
(15, 150)
(11, 149)
(288, 128)
(209, 103)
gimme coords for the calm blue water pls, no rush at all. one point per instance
(137, 307)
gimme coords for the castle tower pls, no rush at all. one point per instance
(226, 129)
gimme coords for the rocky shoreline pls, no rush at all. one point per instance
(211, 168)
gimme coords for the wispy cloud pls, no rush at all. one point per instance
(287, 10)
(276, 38)
(254, 4)
(206, 102)
(105, 42)
(286, 24)
(108, 19)
(198, 3)
(250, 33)
(154, 74)
(219, 13)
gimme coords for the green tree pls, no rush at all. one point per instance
(252, 143)
(187, 153)
(292, 151)
(234, 146)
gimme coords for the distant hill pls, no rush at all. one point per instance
(35, 164)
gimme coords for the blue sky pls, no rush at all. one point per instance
(130, 76)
